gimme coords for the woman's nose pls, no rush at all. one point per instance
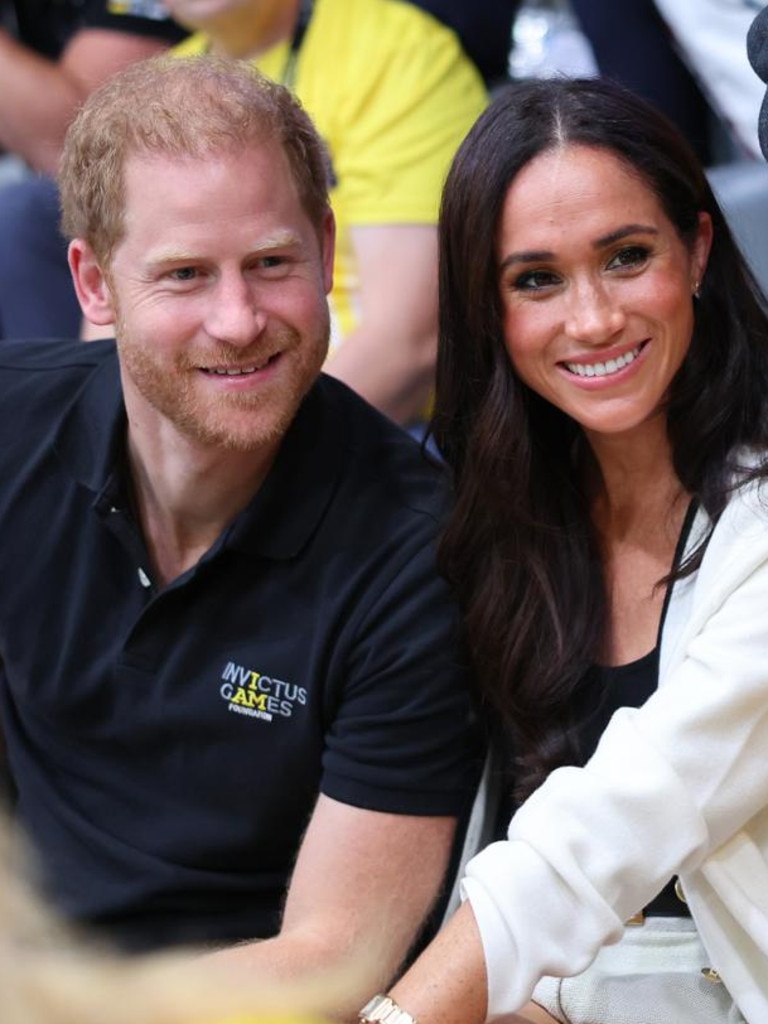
(595, 316)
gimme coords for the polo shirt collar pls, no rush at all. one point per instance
(290, 504)
(282, 515)
(91, 439)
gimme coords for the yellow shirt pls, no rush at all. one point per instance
(392, 93)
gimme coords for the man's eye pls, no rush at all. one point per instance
(184, 274)
(270, 262)
(628, 257)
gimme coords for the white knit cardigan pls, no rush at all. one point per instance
(678, 786)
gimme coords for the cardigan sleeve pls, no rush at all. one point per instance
(669, 783)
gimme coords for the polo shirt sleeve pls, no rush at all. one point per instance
(402, 739)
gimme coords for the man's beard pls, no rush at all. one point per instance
(235, 421)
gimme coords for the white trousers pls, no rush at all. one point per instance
(655, 974)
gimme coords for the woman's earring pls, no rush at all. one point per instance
(697, 290)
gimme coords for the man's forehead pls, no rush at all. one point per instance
(139, 161)
(252, 177)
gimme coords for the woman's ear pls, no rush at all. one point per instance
(700, 251)
(91, 283)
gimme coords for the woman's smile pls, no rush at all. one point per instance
(609, 366)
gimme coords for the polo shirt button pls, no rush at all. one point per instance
(144, 580)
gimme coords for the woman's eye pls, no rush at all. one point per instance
(628, 257)
(535, 280)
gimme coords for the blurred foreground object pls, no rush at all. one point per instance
(51, 975)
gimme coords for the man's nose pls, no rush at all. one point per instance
(595, 314)
(235, 315)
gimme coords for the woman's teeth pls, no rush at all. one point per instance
(604, 369)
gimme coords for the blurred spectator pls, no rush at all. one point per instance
(53, 53)
(688, 58)
(62, 51)
(712, 38)
(633, 46)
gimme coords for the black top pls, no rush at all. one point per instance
(606, 689)
(168, 744)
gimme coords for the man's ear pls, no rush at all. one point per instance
(91, 284)
(328, 246)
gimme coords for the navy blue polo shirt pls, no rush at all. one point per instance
(168, 744)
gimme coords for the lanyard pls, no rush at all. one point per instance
(288, 76)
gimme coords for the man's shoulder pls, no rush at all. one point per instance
(53, 355)
(34, 373)
(381, 462)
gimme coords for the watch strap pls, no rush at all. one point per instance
(384, 1010)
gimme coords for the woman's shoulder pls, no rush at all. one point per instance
(748, 494)
(738, 542)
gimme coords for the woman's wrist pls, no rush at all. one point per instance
(382, 1009)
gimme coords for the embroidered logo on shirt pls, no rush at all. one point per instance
(248, 692)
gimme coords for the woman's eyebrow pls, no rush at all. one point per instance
(622, 232)
(531, 256)
(542, 255)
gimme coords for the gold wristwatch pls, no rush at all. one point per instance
(383, 1010)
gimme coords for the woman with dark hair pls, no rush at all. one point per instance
(602, 400)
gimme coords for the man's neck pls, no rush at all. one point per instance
(248, 31)
(186, 495)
